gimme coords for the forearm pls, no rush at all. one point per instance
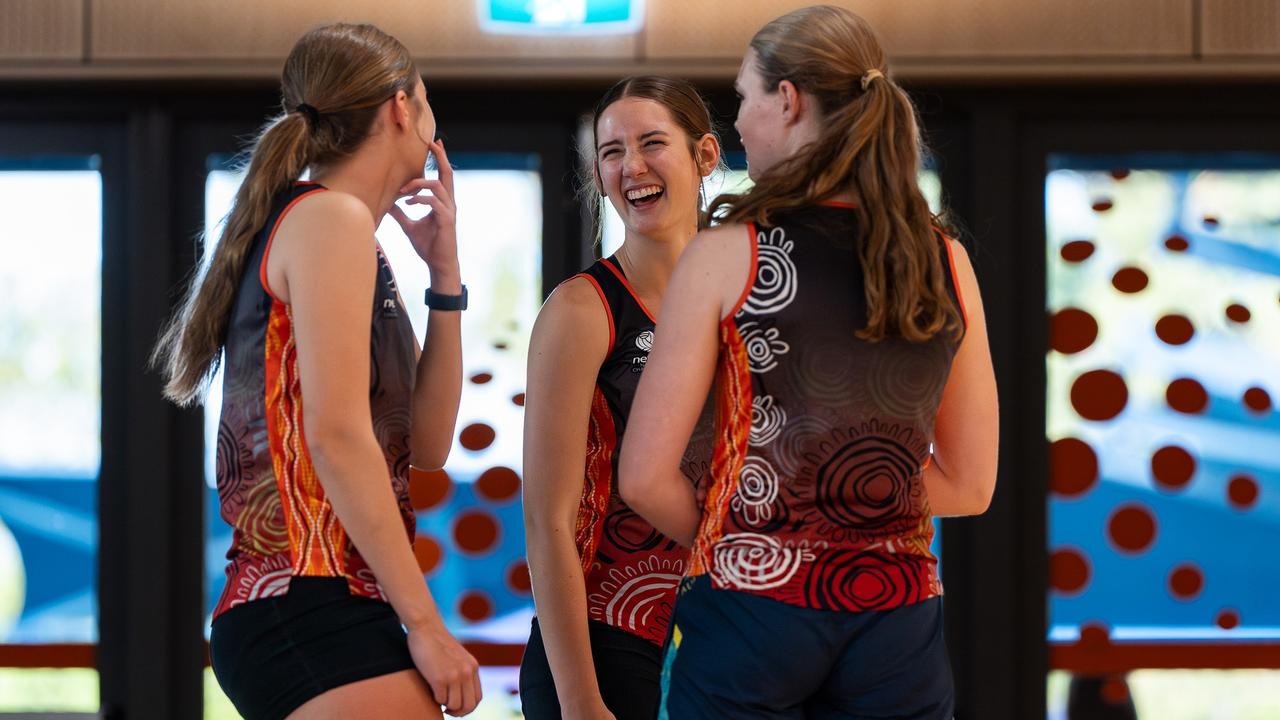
(666, 500)
(355, 480)
(438, 387)
(559, 592)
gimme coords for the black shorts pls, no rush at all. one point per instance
(272, 655)
(737, 655)
(628, 669)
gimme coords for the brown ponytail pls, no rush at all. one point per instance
(869, 145)
(334, 81)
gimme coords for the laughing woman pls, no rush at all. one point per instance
(603, 579)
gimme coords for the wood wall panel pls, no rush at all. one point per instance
(253, 30)
(1240, 28)
(931, 40)
(980, 29)
(41, 29)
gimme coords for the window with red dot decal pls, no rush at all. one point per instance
(1163, 362)
(470, 527)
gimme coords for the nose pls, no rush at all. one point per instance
(633, 164)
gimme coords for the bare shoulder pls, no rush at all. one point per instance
(721, 238)
(959, 255)
(965, 276)
(329, 217)
(574, 318)
(714, 267)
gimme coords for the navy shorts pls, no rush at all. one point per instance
(742, 656)
(272, 655)
(627, 671)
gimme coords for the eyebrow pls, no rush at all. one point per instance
(644, 136)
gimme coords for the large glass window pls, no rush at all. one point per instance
(50, 422)
(1163, 277)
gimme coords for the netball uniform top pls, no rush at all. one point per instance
(816, 495)
(631, 569)
(267, 486)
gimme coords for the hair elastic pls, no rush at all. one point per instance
(870, 75)
(313, 115)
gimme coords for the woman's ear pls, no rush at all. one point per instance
(595, 176)
(792, 102)
(707, 152)
(401, 114)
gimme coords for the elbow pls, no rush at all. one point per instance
(431, 455)
(631, 484)
(982, 498)
(981, 492)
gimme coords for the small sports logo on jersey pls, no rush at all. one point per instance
(390, 305)
(644, 341)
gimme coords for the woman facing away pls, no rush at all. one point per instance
(603, 579)
(854, 398)
(301, 298)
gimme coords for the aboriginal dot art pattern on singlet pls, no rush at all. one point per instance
(1164, 306)
(816, 496)
(267, 485)
(631, 570)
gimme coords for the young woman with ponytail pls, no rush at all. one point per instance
(299, 303)
(854, 396)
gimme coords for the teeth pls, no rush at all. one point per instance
(643, 192)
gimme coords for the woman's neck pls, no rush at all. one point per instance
(368, 176)
(649, 261)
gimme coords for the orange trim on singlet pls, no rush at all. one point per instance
(751, 273)
(951, 260)
(262, 269)
(839, 204)
(636, 296)
(317, 540)
(597, 483)
(608, 313)
(733, 430)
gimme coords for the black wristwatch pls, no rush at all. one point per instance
(437, 301)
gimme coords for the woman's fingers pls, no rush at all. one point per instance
(454, 703)
(440, 210)
(472, 697)
(436, 187)
(403, 220)
(442, 163)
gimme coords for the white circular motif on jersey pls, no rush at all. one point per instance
(748, 561)
(757, 489)
(629, 595)
(270, 584)
(767, 420)
(763, 346)
(644, 341)
(776, 277)
(369, 584)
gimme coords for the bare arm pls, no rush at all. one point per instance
(438, 384)
(570, 341)
(325, 258)
(962, 475)
(676, 379)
